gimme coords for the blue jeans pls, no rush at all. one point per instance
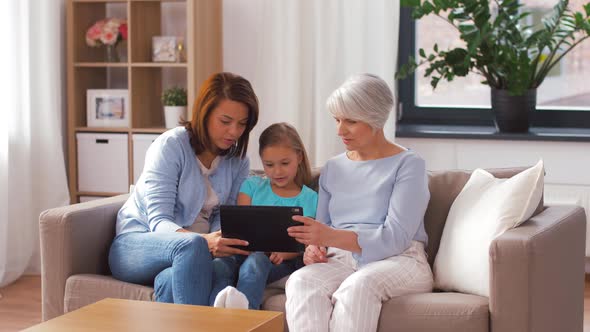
(252, 272)
(179, 265)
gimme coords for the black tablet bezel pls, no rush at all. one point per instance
(264, 227)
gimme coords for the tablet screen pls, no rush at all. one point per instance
(264, 227)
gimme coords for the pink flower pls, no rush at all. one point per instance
(106, 32)
(123, 31)
(108, 38)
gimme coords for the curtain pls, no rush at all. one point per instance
(296, 52)
(32, 165)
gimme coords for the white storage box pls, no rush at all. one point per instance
(103, 164)
(141, 143)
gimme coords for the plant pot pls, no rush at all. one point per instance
(511, 113)
(173, 115)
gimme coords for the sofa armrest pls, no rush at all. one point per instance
(537, 273)
(74, 239)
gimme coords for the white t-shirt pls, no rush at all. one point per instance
(201, 224)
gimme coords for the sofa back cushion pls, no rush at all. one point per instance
(444, 187)
(485, 209)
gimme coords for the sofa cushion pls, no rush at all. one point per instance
(444, 187)
(435, 312)
(84, 289)
(418, 312)
(484, 209)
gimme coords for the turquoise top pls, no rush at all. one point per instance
(260, 191)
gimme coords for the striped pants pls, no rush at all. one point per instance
(339, 296)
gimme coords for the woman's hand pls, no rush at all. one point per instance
(311, 232)
(314, 254)
(220, 247)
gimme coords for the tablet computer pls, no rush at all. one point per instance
(264, 227)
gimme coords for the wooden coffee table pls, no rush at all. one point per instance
(126, 315)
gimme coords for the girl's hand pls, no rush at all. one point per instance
(279, 257)
(275, 258)
(311, 232)
(220, 247)
(314, 254)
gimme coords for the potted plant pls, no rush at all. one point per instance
(174, 101)
(513, 58)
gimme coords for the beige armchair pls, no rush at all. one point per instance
(536, 281)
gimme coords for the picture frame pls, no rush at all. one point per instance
(166, 48)
(107, 108)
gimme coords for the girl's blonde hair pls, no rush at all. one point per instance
(286, 135)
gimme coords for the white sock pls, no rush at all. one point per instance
(230, 297)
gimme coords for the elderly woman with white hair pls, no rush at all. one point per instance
(367, 244)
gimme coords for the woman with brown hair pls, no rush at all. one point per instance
(189, 171)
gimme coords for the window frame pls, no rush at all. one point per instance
(411, 114)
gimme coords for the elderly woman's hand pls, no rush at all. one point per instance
(220, 246)
(314, 254)
(311, 232)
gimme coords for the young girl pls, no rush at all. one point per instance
(287, 172)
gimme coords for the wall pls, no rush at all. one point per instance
(567, 164)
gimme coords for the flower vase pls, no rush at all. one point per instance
(111, 53)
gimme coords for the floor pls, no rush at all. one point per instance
(20, 304)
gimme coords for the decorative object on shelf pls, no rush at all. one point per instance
(174, 101)
(107, 108)
(180, 55)
(108, 32)
(167, 49)
(514, 58)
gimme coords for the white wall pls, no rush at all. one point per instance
(567, 164)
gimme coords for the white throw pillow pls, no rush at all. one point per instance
(483, 210)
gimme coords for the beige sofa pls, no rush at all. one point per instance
(536, 270)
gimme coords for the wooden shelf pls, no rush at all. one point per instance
(121, 130)
(149, 130)
(135, 64)
(197, 21)
(100, 64)
(96, 193)
(160, 64)
(99, 1)
(102, 130)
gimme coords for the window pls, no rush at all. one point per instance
(563, 99)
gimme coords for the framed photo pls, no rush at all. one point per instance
(107, 108)
(166, 48)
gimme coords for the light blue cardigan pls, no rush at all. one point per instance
(170, 192)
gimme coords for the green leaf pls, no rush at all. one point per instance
(410, 3)
(503, 48)
(174, 96)
(434, 82)
(427, 8)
